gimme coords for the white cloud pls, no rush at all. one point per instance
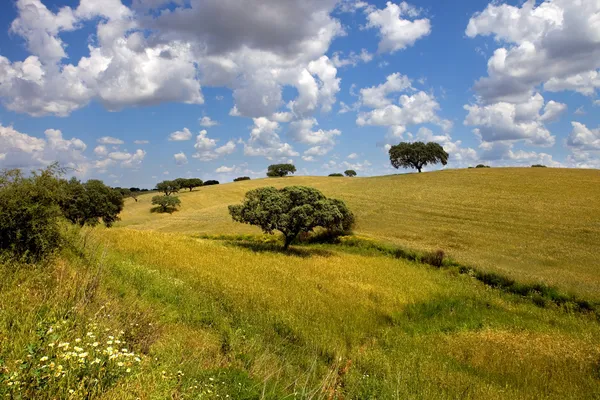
(308, 158)
(179, 136)
(583, 138)
(207, 122)
(282, 117)
(264, 141)
(554, 43)
(207, 150)
(110, 140)
(353, 58)
(396, 32)
(352, 156)
(417, 109)
(225, 170)
(141, 142)
(377, 96)
(180, 158)
(21, 150)
(101, 151)
(302, 131)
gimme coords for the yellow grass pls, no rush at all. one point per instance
(533, 224)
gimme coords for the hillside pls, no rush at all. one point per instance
(532, 224)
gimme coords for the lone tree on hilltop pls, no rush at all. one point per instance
(417, 155)
(211, 182)
(242, 178)
(280, 170)
(166, 203)
(168, 187)
(292, 210)
(350, 173)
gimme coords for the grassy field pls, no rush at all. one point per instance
(148, 310)
(533, 224)
(216, 319)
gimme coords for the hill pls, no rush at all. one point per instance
(533, 224)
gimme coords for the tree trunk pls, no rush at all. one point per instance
(288, 241)
(419, 169)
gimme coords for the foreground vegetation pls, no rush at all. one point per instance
(210, 319)
(530, 224)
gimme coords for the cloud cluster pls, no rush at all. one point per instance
(207, 150)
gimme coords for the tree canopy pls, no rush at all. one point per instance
(292, 210)
(417, 155)
(168, 187)
(88, 203)
(350, 172)
(242, 178)
(280, 170)
(211, 182)
(189, 183)
(336, 174)
(166, 203)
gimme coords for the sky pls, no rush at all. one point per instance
(138, 91)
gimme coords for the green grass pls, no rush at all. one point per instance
(239, 318)
(534, 224)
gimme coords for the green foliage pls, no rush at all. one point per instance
(211, 182)
(280, 170)
(168, 187)
(337, 174)
(538, 166)
(166, 203)
(242, 178)
(350, 173)
(29, 213)
(188, 183)
(292, 210)
(417, 155)
(482, 166)
(88, 203)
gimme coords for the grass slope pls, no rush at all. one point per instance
(217, 320)
(533, 224)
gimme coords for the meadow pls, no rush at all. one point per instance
(239, 318)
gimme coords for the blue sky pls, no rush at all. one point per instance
(122, 90)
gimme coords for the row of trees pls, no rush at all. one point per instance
(32, 208)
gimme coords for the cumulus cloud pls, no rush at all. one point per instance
(377, 96)
(583, 138)
(302, 131)
(141, 142)
(265, 141)
(101, 151)
(207, 150)
(396, 31)
(224, 169)
(110, 140)
(20, 150)
(180, 158)
(505, 121)
(180, 136)
(554, 43)
(208, 122)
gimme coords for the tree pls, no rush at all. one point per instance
(242, 178)
(417, 155)
(292, 210)
(280, 170)
(168, 187)
(350, 173)
(337, 174)
(482, 166)
(128, 192)
(91, 202)
(191, 183)
(166, 203)
(538, 166)
(210, 183)
(30, 213)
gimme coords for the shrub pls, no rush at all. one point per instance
(280, 170)
(210, 183)
(29, 213)
(292, 210)
(336, 174)
(435, 258)
(166, 203)
(538, 166)
(242, 178)
(482, 166)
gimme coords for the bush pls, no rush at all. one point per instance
(280, 170)
(482, 166)
(166, 203)
(435, 258)
(538, 166)
(30, 213)
(292, 210)
(336, 174)
(88, 203)
(210, 183)
(242, 178)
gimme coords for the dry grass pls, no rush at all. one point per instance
(531, 224)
